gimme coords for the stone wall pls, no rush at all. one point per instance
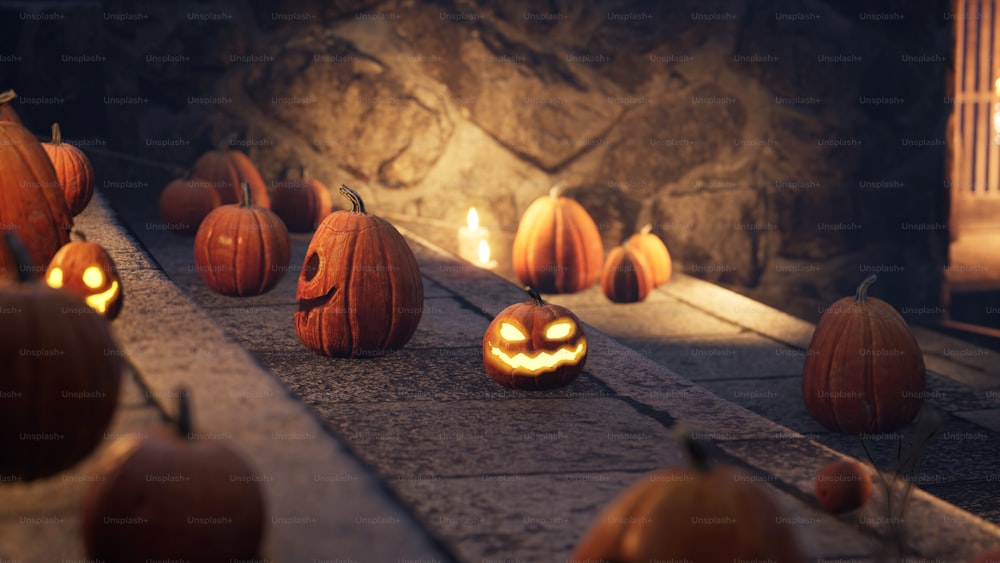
(782, 148)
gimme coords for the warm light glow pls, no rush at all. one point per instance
(99, 301)
(93, 277)
(55, 278)
(473, 219)
(511, 333)
(484, 252)
(559, 330)
(543, 360)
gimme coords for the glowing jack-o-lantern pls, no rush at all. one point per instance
(534, 345)
(86, 269)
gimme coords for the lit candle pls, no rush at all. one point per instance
(472, 240)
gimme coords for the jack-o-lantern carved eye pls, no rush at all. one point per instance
(93, 277)
(559, 330)
(55, 277)
(511, 333)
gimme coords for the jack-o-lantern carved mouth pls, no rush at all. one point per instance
(99, 301)
(543, 360)
(93, 278)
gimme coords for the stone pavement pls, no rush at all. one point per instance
(420, 456)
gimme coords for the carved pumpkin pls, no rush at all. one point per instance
(184, 203)
(226, 170)
(86, 269)
(534, 345)
(698, 514)
(73, 168)
(60, 377)
(654, 251)
(32, 203)
(302, 204)
(626, 277)
(241, 249)
(7, 112)
(360, 292)
(557, 247)
(843, 485)
(864, 371)
(170, 495)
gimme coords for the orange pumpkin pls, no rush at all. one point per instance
(184, 203)
(627, 276)
(86, 269)
(864, 371)
(843, 485)
(32, 203)
(76, 175)
(360, 292)
(534, 345)
(241, 249)
(60, 377)
(170, 495)
(698, 514)
(557, 247)
(7, 112)
(302, 204)
(654, 251)
(226, 170)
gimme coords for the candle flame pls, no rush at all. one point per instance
(473, 219)
(484, 252)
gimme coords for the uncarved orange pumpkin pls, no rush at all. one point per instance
(7, 112)
(226, 170)
(843, 485)
(301, 203)
(76, 175)
(698, 514)
(360, 291)
(169, 494)
(184, 203)
(655, 253)
(32, 203)
(86, 269)
(627, 277)
(534, 345)
(864, 371)
(60, 375)
(557, 247)
(241, 249)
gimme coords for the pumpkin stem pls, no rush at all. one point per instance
(7, 97)
(862, 293)
(56, 134)
(645, 230)
(22, 260)
(302, 171)
(246, 200)
(557, 189)
(697, 451)
(357, 206)
(534, 295)
(184, 426)
(226, 141)
(78, 235)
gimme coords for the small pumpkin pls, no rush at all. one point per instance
(86, 269)
(169, 494)
(557, 247)
(534, 345)
(226, 170)
(7, 112)
(843, 485)
(73, 168)
(864, 371)
(627, 277)
(301, 203)
(32, 203)
(699, 514)
(60, 378)
(184, 203)
(654, 251)
(241, 249)
(360, 291)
